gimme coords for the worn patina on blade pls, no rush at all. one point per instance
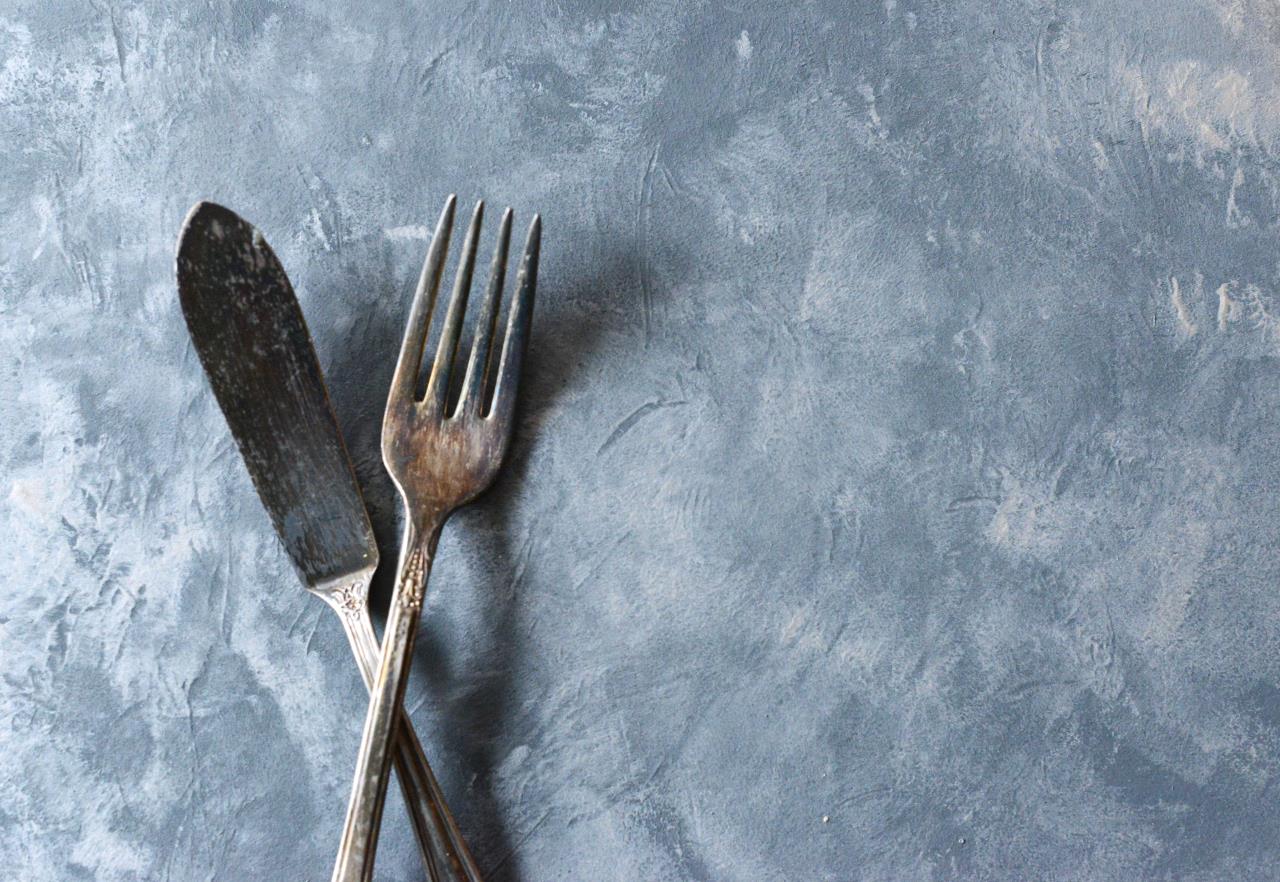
(253, 342)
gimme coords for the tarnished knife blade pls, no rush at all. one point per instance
(253, 342)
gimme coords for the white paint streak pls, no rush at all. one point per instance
(1234, 217)
(1255, 305)
(315, 224)
(1180, 565)
(49, 232)
(1100, 160)
(1180, 308)
(1215, 107)
(29, 495)
(410, 233)
(1228, 309)
(869, 95)
(1232, 14)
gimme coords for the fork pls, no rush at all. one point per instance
(440, 458)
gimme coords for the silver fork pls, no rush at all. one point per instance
(440, 459)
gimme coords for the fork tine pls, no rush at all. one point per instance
(513, 347)
(438, 386)
(405, 379)
(473, 387)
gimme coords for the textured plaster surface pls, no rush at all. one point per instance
(894, 496)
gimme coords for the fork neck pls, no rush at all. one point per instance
(421, 535)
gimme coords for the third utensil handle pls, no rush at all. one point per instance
(373, 764)
(444, 850)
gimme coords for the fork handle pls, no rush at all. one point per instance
(373, 764)
(444, 851)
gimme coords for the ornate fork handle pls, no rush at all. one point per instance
(364, 813)
(444, 850)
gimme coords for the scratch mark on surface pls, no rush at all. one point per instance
(312, 636)
(302, 610)
(516, 847)
(226, 594)
(636, 416)
(861, 795)
(224, 448)
(119, 38)
(972, 502)
(642, 233)
(599, 565)
(666, 177)
(522, 562)
(427, 77)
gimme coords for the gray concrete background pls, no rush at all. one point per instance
(894, 496)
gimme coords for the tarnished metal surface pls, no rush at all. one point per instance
(441, 456)
(249, 332)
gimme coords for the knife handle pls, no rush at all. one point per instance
(359, 843)
(444, 851)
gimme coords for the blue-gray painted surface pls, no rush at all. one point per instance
(894, 496)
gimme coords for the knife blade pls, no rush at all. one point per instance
(250, 335)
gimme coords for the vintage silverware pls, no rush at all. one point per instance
(250, 335)
(441, 455)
